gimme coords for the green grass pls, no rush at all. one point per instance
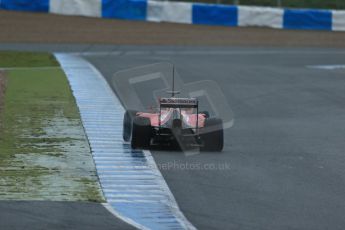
(41, 133)
(10, 59)
(32, 97)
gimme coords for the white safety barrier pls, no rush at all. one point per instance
(260, 16)
(178, 12)
(91, 8)
(189, 13)
(338, 20)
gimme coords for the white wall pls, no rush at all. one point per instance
(260, 16)
(92, 8)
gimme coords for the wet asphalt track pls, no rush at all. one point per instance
(43, 215)
(286, 150)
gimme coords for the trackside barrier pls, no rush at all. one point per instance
(189, 13)
(215, 14)
(338, 20)
(260, 16)
(179, 12)
(308, 19)
(91, 8)
(26, 5)
(124, 9)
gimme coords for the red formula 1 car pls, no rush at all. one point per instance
(177, 122)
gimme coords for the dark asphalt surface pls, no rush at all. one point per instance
(43, 215)
(286, 149)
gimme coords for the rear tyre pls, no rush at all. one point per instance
(212, 135)
(141, 133)
(127, 124)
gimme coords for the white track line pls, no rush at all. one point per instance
(326, 67)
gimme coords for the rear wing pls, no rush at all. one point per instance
(178, 103)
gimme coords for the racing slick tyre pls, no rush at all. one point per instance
(127, 124)
(141, 133)
(212, 135)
